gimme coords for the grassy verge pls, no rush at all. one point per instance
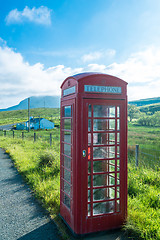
(38, 163)
(143, 203)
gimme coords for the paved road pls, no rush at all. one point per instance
(7, 127)
(21, 217)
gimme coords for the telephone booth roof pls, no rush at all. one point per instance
(80, 76)
(94, 83)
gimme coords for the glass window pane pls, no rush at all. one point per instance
(118, 192)
(89, 181)
(118, 151)
(112, 179)
(89, 138)
(103, 152)
(111, 193)
(111, 152)
(67, 149)
(100, 180)
(67, 137)
(89, 209)
(118, 112)
(103, 166)
(111, 168)
(118, 124)
(67, 111)
(103, 194)
(89, 195)
(118, 138)
(67, 188)
(67, 162)
(99, 194)
(100, 166)
(67, 175)
(112, 162)
(111, 138)
(89, 110)
(104, 207)
(67, 124)
(118, 178)
(103, 124)
(118, 205)
(103, 111)
(67, 201)
(89, 125)
(103, 138)
(118, 166)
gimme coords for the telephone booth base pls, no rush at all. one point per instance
(97, 229)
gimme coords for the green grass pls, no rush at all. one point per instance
(39, 165)
(144, 184)
(145, 136)
(143, 203)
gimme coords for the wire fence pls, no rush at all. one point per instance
(139, 156)
(48, 136)
(144, 156)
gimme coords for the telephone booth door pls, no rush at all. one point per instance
(104, 150)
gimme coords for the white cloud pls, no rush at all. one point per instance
(19, 79)
(141, 70)
(94, 56)
(41, 15)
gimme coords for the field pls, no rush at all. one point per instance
(38, 162)
(17, 116)
(144, 184)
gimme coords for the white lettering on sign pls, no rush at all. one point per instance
(68, 91)
(102, 89)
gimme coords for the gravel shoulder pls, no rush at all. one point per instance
(21, 216)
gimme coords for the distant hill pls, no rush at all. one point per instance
(147, 105)
(36, 102)
(146, 101)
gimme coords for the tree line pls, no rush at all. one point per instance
(142, 118)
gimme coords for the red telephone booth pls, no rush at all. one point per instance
(93, 195)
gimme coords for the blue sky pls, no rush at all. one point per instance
(43, 42)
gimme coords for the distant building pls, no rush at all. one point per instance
(36, 123)
(20, 126)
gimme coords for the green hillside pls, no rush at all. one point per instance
(147, 101)
(151, 105)
(150, 108)
(9, 117)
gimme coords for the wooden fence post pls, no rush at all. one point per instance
(22, 135)
(137, 154)
(13, 134)
(34, 137)
(50, 139)
(4, 133)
